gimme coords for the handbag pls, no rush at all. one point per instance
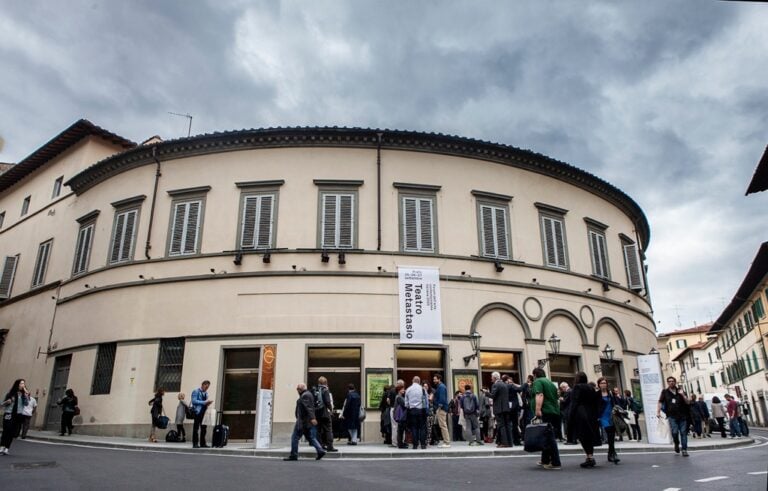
(162, 422)
(536, 435)
(77, 411)
(662, 429)
(362, 413)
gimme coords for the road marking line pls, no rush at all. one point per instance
(757, 473)
(709, 479)
(672, 489)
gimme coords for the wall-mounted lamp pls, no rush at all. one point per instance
(535, 281)
(474, 341)
(266, 258)
(324, 257)
(238, 258)
(463, 273)
(342, 258)
(554, 347)
(627, 301)
(213, 270)
(293, 266)
(608, 352)
(141, 277)
(636, 372)
(498, 266)
(587, 290)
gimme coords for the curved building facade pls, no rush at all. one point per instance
(258, 259)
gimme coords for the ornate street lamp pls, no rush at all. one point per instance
(554, 346)
(474, 341)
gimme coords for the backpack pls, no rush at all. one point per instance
(635, 406)
(469, 404)
(317, 393)
(172, 437)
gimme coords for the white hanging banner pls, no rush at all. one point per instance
(420, 317)
(652, 384)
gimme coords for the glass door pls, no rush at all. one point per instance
(563, 368)
(499, 361)
(341, 366)
(240, 392)
(421, 362)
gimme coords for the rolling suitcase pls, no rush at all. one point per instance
(220, 434)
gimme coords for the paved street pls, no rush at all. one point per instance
(39, 465)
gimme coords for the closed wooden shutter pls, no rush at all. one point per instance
(418, 231)
(9, 272)
(83, 249)
(632, 262)
(554, 242)
(41, 263)
(338, 221)
(599, 254)
(258, 222)
(124, 236)
(186, 228)
(494, 231)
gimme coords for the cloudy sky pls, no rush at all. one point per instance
(665, 99)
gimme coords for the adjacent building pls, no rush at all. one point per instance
(262, 258)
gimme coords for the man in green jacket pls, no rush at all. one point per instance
(545, 406)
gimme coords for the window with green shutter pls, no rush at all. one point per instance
(41, 263)
(7, 276)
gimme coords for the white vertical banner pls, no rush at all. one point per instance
(264, 419)
(651, 384)
(419, 297)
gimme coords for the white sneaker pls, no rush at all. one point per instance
(5, 451)
(2, 450)
(445, 445)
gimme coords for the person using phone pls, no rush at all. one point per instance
(13, 405)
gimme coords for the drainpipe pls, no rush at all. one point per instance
(152, 208)
(378, 191)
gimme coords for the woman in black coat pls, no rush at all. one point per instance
(351, 414)
(157, 410)
(12, 410)
(582, 421)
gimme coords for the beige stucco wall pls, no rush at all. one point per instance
(256, 303)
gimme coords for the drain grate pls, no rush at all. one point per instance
(32, 465)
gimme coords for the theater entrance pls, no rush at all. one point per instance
(421, 362)
(240, 391)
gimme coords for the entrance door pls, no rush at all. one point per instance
(59, 380)
(612, 373)
(499, 361)
(562, 368)
(421, 362)
(341, 366)
(240, 392)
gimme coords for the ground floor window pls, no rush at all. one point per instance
(611, 370)
(421, 362)
(499, 361)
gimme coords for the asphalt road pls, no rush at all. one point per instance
(37, 465)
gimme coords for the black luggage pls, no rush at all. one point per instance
(172, 437)
(220, 434)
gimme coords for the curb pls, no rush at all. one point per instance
(385, 454)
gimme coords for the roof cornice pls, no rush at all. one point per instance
(330, 137)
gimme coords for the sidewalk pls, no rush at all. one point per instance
(368, 450)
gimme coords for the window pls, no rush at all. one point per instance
(681, 343)
(41, 263)
(417, 233)
(717, 353)
(186, 217)
(553, 236)
(754, 361)
(597, 250)
(123, 241)
(25, 205)
(102, 373)
(6, 279)
(338, 214)
(170, 361)
(83, 246)
(632, 264)
(709, 354)
(757, 308)
(258, 221)
(713, 381)
(748, 320)
(57, 187)
(493, 224)
(2, 219)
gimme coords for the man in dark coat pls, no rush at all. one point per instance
(514, 409)
(500, 396)
(306, 424)
(323, 413)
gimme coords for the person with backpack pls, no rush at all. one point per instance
(323, 413)
(471, 408)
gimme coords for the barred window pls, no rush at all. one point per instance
(102, 373)
(170, 362)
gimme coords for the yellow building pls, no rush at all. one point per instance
(262, 258)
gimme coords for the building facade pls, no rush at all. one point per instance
(263, 258)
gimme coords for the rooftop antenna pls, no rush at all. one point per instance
(189, 117)
(677, 312)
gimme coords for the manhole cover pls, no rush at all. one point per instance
(32, 465)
